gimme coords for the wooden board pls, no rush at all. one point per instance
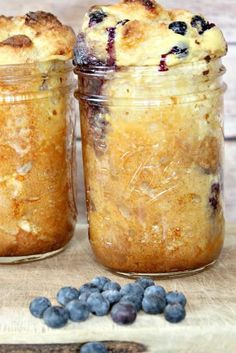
(211, 309)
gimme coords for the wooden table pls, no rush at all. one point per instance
(210, 325)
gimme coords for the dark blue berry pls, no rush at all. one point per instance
(179, 27)
(176, 298)
(96, 17)
(55, 317)
(100, 282)
(155, 290)
(145, 282)
(113, 296)
(84, 296)
(78, 310)
(98, 304)
(122, 22)
(124, 313)
(88, 288)
(38, 306)
(132, 289)
(174, 313)
(181, 50)
(112, 286)
(201, 24)
(66, 294)
(134, 299)
(153, 304)
(214, 196)
(93, 347)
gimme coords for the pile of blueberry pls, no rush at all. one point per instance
(101, 296)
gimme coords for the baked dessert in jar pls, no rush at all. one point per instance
(37, 144)
(151, 99)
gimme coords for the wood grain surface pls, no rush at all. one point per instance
(211, 310)
(112, 347)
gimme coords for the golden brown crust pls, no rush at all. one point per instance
(41, 18)
(145, 32)
(18, 41)
(37, 36)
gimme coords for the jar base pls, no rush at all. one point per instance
(8, 260)
(164, 275)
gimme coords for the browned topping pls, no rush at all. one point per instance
(18, 41)
(197, 42)
(133, 34)
(149, 4)
(41, 17)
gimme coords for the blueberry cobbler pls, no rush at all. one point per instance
(151, 97)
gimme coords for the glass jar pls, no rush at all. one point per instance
(37, 154)
(153, 153)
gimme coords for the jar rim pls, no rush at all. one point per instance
(172, 70)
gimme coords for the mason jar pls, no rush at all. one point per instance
(37, 154)
(153, 157)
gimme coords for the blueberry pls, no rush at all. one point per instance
(122, 22)
(124, 313)
(84, 296)
(55, 317)
(78, 310)
(176, 298)
(132, 289)
(214, 197)
(201, 24)
(66, 294)
(93, 347)
(111, 46)
(134, 299)
(38, 306)
(98, 304)
(96, 17)
(174, 313)
(153, 304)
(155, 290)
(179, 27)
(113, 296)
(181, 50)
(112, 286)
(145, 282)
(100, 282)
(88, 288)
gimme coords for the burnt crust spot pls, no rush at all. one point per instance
(42, 18)
(18, 41)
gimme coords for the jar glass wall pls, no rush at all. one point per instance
(153, 157)
(37, 153)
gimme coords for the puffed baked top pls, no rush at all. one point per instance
(37, 36)
(141, 32)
